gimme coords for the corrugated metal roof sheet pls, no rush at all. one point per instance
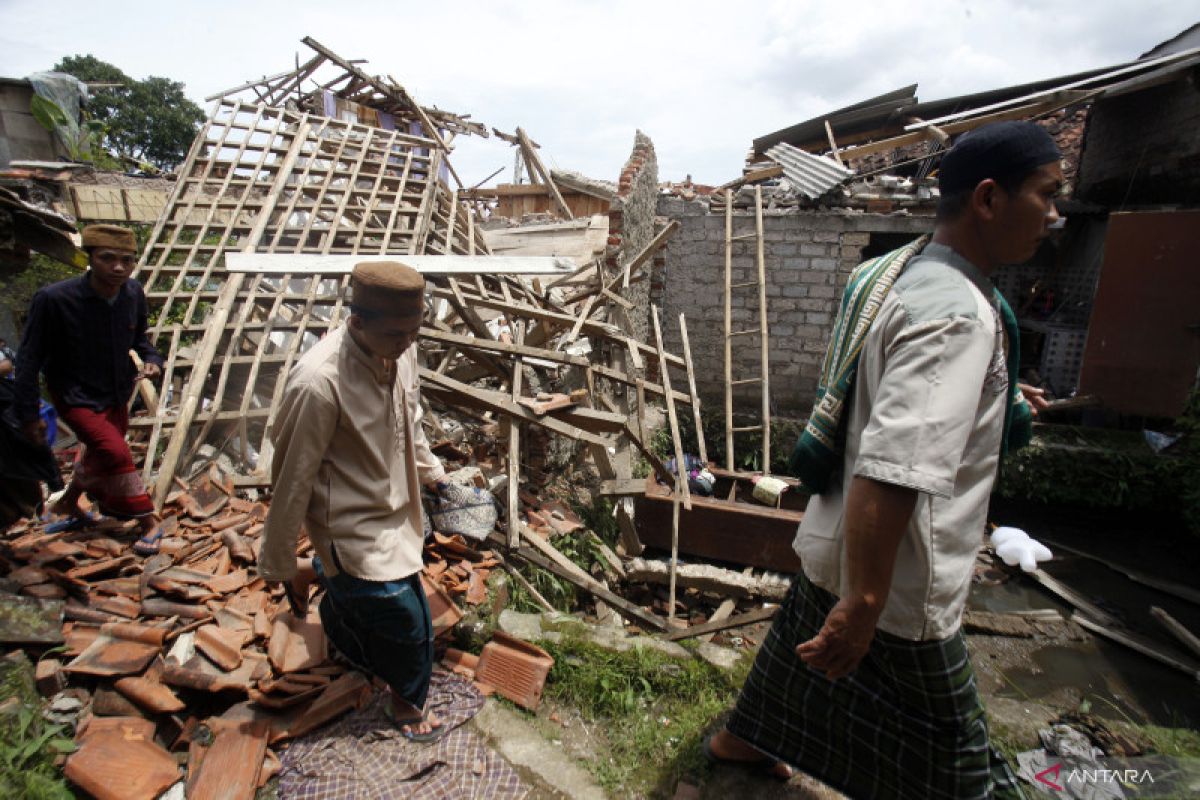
(810, 175)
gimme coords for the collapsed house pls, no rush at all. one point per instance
(561, 321)
(861, 180)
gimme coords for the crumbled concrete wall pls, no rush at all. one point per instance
(631, 225)
(808, 255)
(1143, 148)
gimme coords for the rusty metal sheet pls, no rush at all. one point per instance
(1143, 344)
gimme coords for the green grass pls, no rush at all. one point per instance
(1178, 742)
(655, 708)
(28, 743)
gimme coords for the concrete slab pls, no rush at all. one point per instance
(533, 754)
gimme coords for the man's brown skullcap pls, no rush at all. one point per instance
(382, 286)
(113, 236)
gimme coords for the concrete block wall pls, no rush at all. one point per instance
(808, 255)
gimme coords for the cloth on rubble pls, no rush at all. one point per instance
(907, 723)
(104, 468)
(700, 480)
(82, 341)
(364, 756)
(818, 451)
(467, 510)
(382, 627)
(340, 407)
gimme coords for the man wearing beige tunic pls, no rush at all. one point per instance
(350, 459)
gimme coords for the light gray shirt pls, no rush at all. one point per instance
(927, 413)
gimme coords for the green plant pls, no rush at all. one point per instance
(1109, 469)
(656, 707)
(28, 743)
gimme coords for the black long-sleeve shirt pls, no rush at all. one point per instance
(82, 342)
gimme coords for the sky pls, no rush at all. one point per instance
(701, 78)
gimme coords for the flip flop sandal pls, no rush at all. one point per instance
(71, 523)
(148, 545)
(765, 766)
(428, 737)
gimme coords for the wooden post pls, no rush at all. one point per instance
(728, 330)
(764, 342)
(691, 373)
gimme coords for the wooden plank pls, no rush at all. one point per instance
(764, 340)
(1071, 597)
(729, 329)
(1138, 643)
(195, 387)
(1177, 629)
(394, 92)
(589, 584)
(1023, 112)
(500, 402)
(833, 148)
(535, 163)
(514, 448)
(749, 618)
(691, 374)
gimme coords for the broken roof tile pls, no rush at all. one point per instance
(150, 695)
(121, 763)
(222, 646)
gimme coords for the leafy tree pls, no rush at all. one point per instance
(149, 120)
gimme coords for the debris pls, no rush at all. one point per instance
(516, 668)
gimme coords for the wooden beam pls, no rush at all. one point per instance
(449, 390)
(195, 387)
(1138, 643)
(592, 586)
(514, 448)
(397, 92)
(535, 163)
(311, 264)
(749, 618)
(1177, 629)
(691, 374)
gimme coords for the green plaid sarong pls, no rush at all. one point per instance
(908, 723)
(818, 452)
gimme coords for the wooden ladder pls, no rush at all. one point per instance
(761, 331)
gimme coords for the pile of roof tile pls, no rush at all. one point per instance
(188, 657)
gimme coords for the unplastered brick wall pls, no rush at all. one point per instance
(631, 226)
(808, 256)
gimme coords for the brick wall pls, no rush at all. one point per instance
(808, 256)
(631, 224)
(1143, 148)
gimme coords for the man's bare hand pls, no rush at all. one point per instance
(296, 588)
(151, 371)
(1035, 396)
(35, 431)
(842, 641)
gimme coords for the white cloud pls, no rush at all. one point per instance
(701, 78)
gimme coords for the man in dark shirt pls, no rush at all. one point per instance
(79, 334)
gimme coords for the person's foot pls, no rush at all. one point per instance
(422, 727)
(69, 521)
(725, 748)
(147, 544)
(415, 726)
